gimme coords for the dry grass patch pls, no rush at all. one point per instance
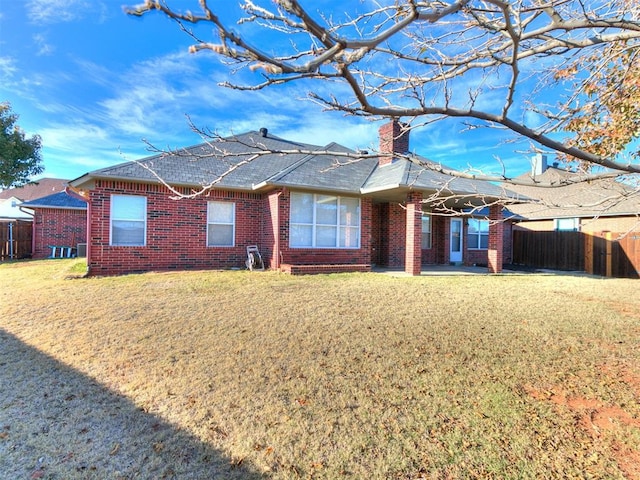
(352, 375)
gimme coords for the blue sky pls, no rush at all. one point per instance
(93, 82)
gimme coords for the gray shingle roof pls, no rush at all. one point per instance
(276, 162)
(419, 176)
(57, 200)
(603, 197)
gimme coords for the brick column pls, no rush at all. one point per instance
(496, 231)
(413, 244)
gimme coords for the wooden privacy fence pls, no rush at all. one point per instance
(608, 254)
(15, 240)
(553, 250)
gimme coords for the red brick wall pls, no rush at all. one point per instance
(376, 233)
(271, 242)
(480, 257)
(396, 235)
(413, 242)
(57, 226)
(439, 231)
(176, 231)
(316, 256)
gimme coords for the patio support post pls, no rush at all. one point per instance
(413, 249)
(496, 231)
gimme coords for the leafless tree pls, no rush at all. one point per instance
(495, 63)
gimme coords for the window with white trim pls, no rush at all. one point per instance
(324, 221)
(478, 234)
(426, 231)
(567, 224)
(128, 226)
(221, 224)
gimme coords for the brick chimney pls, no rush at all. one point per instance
(394, 139)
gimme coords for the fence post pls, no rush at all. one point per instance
(11, 240)
(609, 256)
(588, 253)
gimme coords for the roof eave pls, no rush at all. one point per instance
(88, 178)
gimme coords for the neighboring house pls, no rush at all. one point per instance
(10, 210)
(59, 220)
(305, 214)
(12, 198)
(588, 207)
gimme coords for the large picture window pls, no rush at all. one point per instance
(128, 220)
(426, 231)
(221, 224)
(324, 221)
(478, 234)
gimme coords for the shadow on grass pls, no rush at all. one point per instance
(58, 423)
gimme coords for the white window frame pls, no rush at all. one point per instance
(427, 240)
(115, 217)
(474, 239)
(315, 226)
(211, 222)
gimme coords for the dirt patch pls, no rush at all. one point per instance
(631, 311)
(629, 463)
(624, 374)
(598, 419)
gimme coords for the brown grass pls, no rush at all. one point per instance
(239, 374)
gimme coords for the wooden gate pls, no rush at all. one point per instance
(613, 255)
(15, 239)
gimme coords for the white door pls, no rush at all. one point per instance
(455, 244)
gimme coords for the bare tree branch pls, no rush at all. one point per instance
(414, 58)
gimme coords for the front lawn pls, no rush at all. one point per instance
(245, 375)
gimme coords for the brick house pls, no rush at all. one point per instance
(571, 205)
(59, 219)
(305, 213)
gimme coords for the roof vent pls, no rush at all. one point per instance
(263, 132)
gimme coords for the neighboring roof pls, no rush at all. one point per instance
(9, 209)
(57, 200)
(289, 164)
(40, 188)
(602, 197)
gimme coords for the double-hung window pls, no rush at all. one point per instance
(324, 221)
(128, 220)
(426, 231)
(478, 234)
(221, 224)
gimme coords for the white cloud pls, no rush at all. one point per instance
(7, 68)
(57, 11)
(72, 137)
(44, 48)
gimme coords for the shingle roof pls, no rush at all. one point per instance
(200, 164)
(57, 200)
(276, 162)
(602, 197)
(38, 189)
(419, 175)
